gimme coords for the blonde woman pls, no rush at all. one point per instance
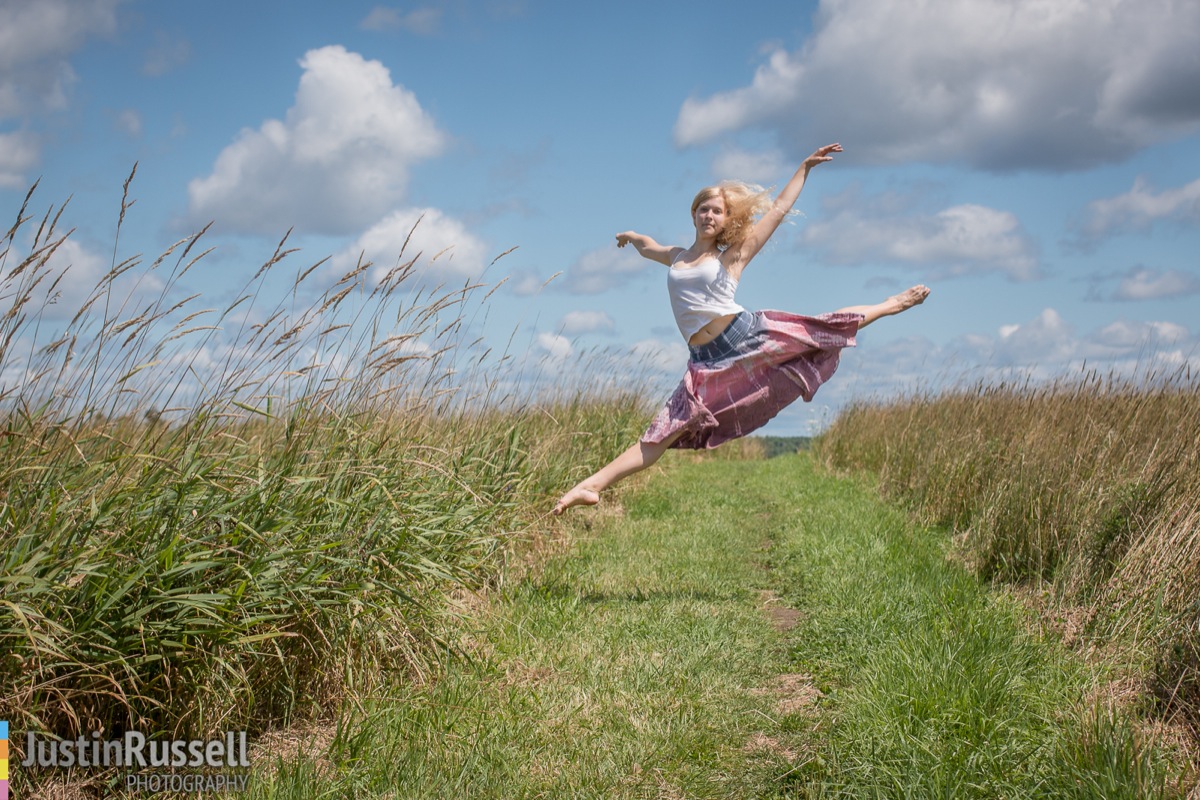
(744, 367)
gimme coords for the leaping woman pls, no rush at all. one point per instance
(744, 367)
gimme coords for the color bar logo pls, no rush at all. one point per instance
(3, 760)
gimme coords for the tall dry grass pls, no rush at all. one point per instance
(1091, 486)
(232, 516)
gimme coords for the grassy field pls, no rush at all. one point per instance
(740, 629)
(244, 515)
(1084, 495)
(314, 511)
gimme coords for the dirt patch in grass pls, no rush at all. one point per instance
(761, 743)
(783, 618)
(794, 693)
(310, 741)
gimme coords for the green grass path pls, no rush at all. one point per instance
(755, 629)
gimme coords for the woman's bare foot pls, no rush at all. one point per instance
(909, 298)
(579, 496)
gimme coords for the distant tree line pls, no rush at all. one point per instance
(782, 445)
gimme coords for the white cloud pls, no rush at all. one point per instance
(18, 153)
(1124, 337)
(129, 122)
(1142, 283)
(762, 167)
(36, 39)
(526, 282)
(651, 367)
(63, 284)
(553, 367)
(554, 345)
(1046, 339)
(71, 274)
(1048, 346)
(341, 155)
(166, 54)
(1042, 349)
(449, 252)
(421, 21)
(998, 84)
(882, 369)
(1141, 207)
(603, 269)
(49, 30)
(960, 240)
(575, 323)
(669, 357)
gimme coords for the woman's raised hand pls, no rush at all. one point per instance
(822, 155)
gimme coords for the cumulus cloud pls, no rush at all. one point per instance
(1046, 339)
(998, 84)
(1144, 283)
(421, 21)
(69, 277)
(965, 239)
(1124, 337)
(526, 282)
(449, 253)
(667, 357)
(552, 364)
(36, 42)
(554, 345)
(129, 122)
(1048, 346)
(575, 323)
(340, 156)
(763, 167)
(166, 54)
(18, 153)
(83, 270)
(1148, 284)
(600, 270)
(650, 366)
(1141, 207)
(883, 369)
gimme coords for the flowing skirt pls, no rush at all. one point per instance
(758, 366)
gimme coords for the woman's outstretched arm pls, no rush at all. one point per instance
(769, 222)
(648, 248)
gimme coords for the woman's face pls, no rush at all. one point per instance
(709, 216)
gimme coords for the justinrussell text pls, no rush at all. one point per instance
(135, 750)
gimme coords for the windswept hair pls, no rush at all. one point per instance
(743, 203)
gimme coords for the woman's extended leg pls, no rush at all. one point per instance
(893, 305)
(636, 458)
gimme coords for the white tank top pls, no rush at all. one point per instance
(700, 294)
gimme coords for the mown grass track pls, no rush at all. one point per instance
(744, 629)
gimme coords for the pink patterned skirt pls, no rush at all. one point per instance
(757, 367)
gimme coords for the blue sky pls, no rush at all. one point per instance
(1036, 162)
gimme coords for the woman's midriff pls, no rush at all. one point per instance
(711, 331)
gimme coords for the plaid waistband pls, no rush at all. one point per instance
(726, 343)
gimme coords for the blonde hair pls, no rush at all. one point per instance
(743, 202)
